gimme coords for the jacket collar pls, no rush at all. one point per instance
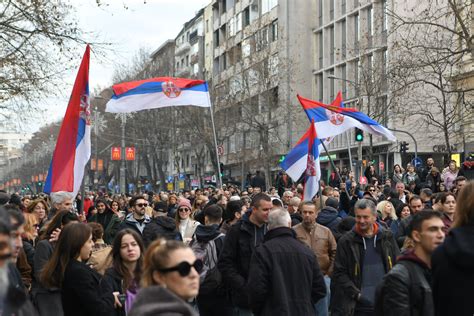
(279, 232)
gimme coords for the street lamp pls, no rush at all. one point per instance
(359, 147)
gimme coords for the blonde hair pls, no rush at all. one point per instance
(29, 227)
(157, 257)
(465, 206)
(381, 207)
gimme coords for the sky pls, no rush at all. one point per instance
(130, 25)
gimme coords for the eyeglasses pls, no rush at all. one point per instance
(183, 209)
(184, 268)
(142, 204)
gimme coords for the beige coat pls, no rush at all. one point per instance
(322, 242)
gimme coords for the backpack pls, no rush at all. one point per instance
(210, 276)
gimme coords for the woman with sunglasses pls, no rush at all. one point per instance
(80, 291)
(124, 276)
(170, 279)
(184, 223)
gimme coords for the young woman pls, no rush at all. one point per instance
(184, 223)
(449, 174)
(80, 292)
(124, 276)
(40, 209)
(388, 215)
(448, 202)
(171, 276)
(29, 236)
(108, 219)
(115, 207)
(46, 299)
(397, 175)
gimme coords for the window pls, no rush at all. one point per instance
(216, 38)
(231, 27)
(331, 10)
(246, 20)
(320, 48)
(320, 87)
(331, 44)
(238, 52)
(343, 38)
(384, 15)
(238, 22)
(267, 5)
(320, 9)
(343, 7)
(246, 48)
(356, 28)
(344, 81)
(187, 60)
(274, 30)
(331, 86)
(370, 21)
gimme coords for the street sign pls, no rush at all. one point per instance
(362, 180)
(169, 179)
(381, 165)
(220, 150)
(116, 153)
(417, 162)
(129, 153)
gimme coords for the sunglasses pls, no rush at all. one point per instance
(371, 190)
(142, 204)
(184, 268)
(183, 209)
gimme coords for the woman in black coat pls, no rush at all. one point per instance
(80, 293)
(452, 262)
(124, 277)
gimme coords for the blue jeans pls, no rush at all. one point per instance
(322, 306)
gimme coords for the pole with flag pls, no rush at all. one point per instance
(73, 146)
(313, 169)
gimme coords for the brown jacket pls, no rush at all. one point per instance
(322, 242)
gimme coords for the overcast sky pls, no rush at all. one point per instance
(130, 25)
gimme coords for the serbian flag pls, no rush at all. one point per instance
(313, 170)
(157, 93)
(335, 119)
(73, 147)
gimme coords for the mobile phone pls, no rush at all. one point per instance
(122, 298)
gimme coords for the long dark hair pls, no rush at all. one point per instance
(72, 238)
(59, 220)
(117, 261)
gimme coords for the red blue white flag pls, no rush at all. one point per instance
(313, 170)
(335, 119)
(73, 146)
(157, 93)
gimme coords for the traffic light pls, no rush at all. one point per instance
(404, 147)
(359, 135)
(282, 158)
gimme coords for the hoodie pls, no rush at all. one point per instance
(329, 217)
(205, 233)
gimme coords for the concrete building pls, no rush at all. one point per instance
(11, 144)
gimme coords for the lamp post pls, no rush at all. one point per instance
(359, 148)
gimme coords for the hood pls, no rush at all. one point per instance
(327, 215)
(411, 256)
(206, 233)
(156, 300)
(131, 219)
(166, 222)
(377, 231)
(458, 246)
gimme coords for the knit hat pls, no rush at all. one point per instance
(184, 202)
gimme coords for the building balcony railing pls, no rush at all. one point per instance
(182, 49)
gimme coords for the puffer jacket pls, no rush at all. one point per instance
(406, 289)
(322, 243)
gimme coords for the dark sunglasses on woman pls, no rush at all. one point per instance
(184, 268)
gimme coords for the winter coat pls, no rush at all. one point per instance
(448, 176)
(156, 300)
(348, 266)
(321, 241)
(275, 266)
(433, 182)
(329, 217)
(234, 261)
(406, 289)
(111, 227)
(453, 275)
(132, 223)
(80, 292)
(160, 227)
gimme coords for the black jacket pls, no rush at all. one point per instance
(296, 218)
(453, 274)
(160, 227)
(111, 282)
(403, 230)
(406, 289)
(347, 278)
(80, 292)
(329, 217)
(234, 261)
(16, 302)
(276, 265)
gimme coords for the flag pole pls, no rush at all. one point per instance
(332, 165)
(215, 140)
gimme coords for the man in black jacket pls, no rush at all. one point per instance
(284, 277)
(239, 244)
(406, 289)
(363, 257)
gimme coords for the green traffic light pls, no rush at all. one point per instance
(359, 137)
(282, 158)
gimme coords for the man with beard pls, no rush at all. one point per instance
(323, 244)
(137, 219)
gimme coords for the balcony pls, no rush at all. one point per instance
(182, 49)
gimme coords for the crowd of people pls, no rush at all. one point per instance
(401, 248)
